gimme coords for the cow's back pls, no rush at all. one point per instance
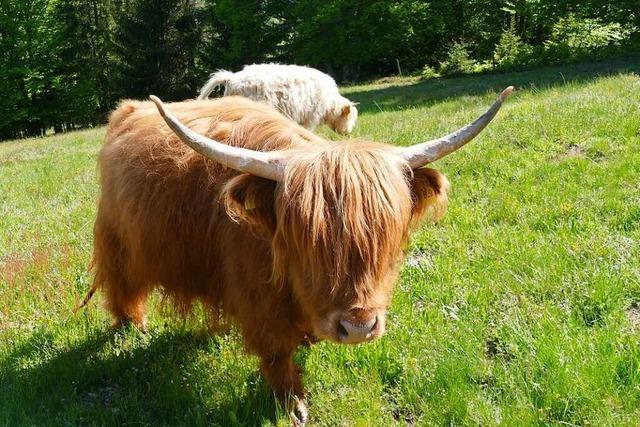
(301, 93)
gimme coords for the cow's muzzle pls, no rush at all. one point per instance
(353, 329)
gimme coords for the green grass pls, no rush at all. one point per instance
(521, 307)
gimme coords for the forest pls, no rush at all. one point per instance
(64, 64)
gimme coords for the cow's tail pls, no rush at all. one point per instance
(87, 297)
(218, 78)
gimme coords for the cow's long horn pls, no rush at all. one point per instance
(268, 165)
(420, 154)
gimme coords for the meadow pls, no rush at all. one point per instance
(521, 307)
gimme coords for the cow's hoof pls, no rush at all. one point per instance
(124, 323)
(298, 412)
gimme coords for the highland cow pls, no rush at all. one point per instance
(305, 95)
(291, 237)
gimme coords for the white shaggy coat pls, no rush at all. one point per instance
(306, 95)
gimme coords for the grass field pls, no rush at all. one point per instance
(521, 307)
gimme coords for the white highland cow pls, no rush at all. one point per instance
(306, 95)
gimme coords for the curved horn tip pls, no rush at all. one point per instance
(156, 101)
(505, 93)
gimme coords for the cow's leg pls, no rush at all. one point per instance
(125, 298)
(127, 302)
(285, 379)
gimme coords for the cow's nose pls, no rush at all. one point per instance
(351, 332)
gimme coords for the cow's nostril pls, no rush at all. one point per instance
(341, 330)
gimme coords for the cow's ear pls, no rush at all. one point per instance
(345, 110)
(249, 199)
(429, 190)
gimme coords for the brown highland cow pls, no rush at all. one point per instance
(292, 237)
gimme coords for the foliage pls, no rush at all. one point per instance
(520, 308)
(573, 38)
(351, 38)
(30, 81)
(457, 60)
(155, 49)
(511, 51)
(429, 72)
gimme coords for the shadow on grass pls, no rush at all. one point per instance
(433, 91)
(101, 381)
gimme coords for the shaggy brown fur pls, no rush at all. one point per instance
(281, 260)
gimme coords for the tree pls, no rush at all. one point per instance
(155, 48)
